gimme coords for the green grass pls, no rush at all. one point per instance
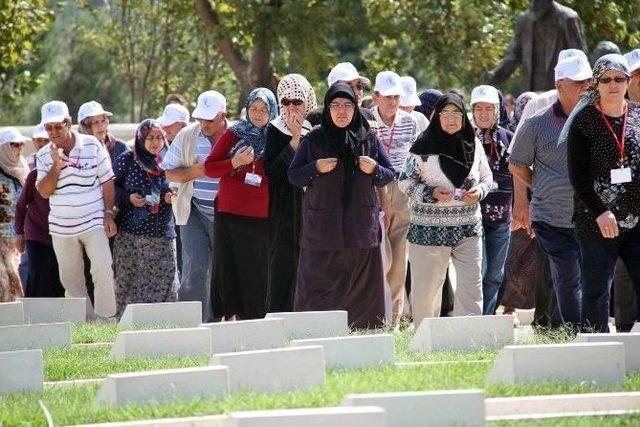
(90, 333)
(632, 420)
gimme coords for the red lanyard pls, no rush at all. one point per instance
(389, 142)
(619, 141)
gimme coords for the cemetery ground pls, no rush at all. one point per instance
(88, 358)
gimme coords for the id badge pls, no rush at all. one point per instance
(253, 179)
(620, 176)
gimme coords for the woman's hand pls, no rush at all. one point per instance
(472, 196)
(294, 123)
(442, 195)
(20, 243)
(168, 197)
(243, 156)
(326, 165)
(137, 200)
(367, 164)
(608, 225)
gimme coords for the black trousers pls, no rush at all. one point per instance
(43, 279)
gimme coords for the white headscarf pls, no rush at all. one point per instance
(17, 167)
(295, 86)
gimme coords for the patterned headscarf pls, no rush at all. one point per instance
(518, 109)
(612, 61)
(149, 162)
(428, 98)
(12, 165)
(295, 86)
(248, 134)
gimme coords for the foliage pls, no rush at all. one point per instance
(22, 25)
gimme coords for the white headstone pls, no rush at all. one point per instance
(185, 342)
(38, 336)
(265, 371)
(592, 363)
(426, 408)
(245, 335)
(313, 417)
(355, 351)
(636, 327)
(164, 385)
(631, 343)
(21, 371)
(187, 314)
(313, 324)
(11, 313)
(50, 310)
(465, 333)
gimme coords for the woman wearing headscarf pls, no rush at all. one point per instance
(428, 100)
(241, 226)
(144, 254)
(94, 120)
(13, 172)
(603, 137)
(340, 163)
(518, 108)
(446, 175)
(297, 99)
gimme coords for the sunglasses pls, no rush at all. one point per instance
(57, 126)
(286, 102)
(607, 80)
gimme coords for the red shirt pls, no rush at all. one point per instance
(235, 196)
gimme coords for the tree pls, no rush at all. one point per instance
(22, 25)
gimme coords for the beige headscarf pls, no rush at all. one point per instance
(17, 167)
(295, 86)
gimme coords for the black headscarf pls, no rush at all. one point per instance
(456, 151)
(345, 142)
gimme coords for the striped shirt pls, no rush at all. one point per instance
(397, 138)
(536, 145)
(204, 189)
(76, 204)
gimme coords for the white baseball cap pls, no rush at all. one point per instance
(485, 93)
(570, 53)
(345, 72)
(388, 83)
(39, 132)
(11, 134)
(54, 112)
(633, 58)
(91, 109)
(575, 68)
(210, 103)
(174, 113)
(409, 92)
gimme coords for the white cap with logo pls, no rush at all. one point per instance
(345, 72)
(91, 109)
(388, 83)
(39, 132)
(574, 68)
(409, 92)
(174, 113)
(485, 93)
(570, 53)
(11, 134)
(210, 104)
(54, 112)
(633, 58)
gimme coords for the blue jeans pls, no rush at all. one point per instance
(196, 237)
(495, 250)
(563, 252)
(599, 257)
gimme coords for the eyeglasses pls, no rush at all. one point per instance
(54, 126)
(451, 114)
(16, 144)
(342, 106)
(286, 102)
(607, 80)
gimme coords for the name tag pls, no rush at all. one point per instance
(253, 179)
(620, 176)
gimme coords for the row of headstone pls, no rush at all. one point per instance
(43, 310)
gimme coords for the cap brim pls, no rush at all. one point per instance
(389, 92)
(364, 80)
(40, 135)
(54, 119)
(21, 139)
(201, 113)
(412, 101)
(583, 75)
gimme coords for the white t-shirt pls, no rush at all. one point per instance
(421, 120)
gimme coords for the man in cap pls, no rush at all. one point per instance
(397, 130)
(410, 100)
(193, 206)
(540, 162)
(74, 173)
(39, 138)
(174, 118)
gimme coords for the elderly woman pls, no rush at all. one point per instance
(340, 163)
(446, 176)
(94, 120)
(144, 253)
(496, 207)
(241, 227)
(297, 99)
(603, 135)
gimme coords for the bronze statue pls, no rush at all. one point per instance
(541, 32)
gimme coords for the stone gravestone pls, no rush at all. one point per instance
(51, 310)
(187, 314)
(41, 336)
(21, 371)
(631, 343)
(313, 324)
(185, 342)
(356, 351)
(245, 335)
(313, 417)
(11, 313)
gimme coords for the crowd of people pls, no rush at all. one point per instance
(421, 205)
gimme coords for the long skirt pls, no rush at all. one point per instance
(240, 248)
(10, 285)
(43, 280)
(145, 270)
(282, 265)
(350, 279)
